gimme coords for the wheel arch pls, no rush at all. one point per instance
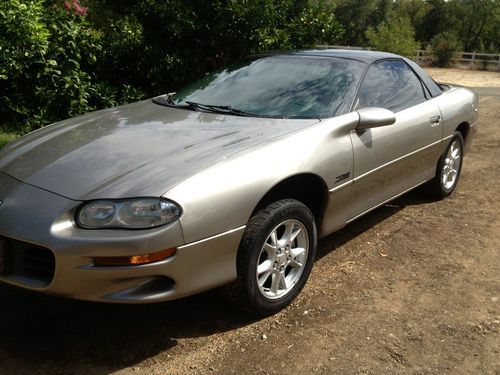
(308, 188)
(463, 129)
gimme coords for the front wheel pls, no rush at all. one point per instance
(448, 169)
(275, 257)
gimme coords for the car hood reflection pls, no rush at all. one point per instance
(140, 149)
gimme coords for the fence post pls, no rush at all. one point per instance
(417, 58)
(498, 64)
(473, 58)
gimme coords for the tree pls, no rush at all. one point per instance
(473, 18)
(473, 22)
(61, 58)
(357, 16)
(414, 10)
(444, 45)
(395, 35)
(170, 42)
(438, 19)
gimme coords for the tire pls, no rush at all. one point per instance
(271, 269)
(448, 169)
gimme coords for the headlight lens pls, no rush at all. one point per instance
(137, 213)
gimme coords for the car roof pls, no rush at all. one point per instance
(366, 57)
(360, 55)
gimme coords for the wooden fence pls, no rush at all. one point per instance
(464, 59)
(470, 59)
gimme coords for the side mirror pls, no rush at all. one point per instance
(373, 117)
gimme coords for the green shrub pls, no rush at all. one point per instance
(304, 29)
(444, 45)
(6, 138)
(395, 35)
(46, 64)
(60, 59)
(159, 45)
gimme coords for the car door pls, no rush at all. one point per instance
(392, 159)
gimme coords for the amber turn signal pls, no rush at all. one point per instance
(133, 260)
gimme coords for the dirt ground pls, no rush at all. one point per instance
(470, 78)
(411, 288)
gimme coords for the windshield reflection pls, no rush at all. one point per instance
(280, 86)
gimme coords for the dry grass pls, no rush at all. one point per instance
(464, 77)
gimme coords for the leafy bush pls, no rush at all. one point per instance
(59, 58)
(46, 63)
(307, 27)
(444, 45)
(159, 45)
(396, 36)
(6, 138)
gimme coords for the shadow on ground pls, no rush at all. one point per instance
(39, 330)
(346, 234)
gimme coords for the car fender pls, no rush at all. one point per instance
(223, 196)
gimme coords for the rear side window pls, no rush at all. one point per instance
(390, 84)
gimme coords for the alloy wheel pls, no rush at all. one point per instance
(451, 167)
(282, 259)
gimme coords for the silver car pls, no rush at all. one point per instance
(228, 182)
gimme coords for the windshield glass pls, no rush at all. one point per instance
(280, 86)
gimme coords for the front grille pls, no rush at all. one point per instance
(29, 261)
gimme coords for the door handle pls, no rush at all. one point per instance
(435, 120)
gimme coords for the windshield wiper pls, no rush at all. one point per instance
(224, 109)
(167, 100)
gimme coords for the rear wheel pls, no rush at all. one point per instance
(448, 169)
(275, 257)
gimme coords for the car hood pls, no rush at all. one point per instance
(140, 149)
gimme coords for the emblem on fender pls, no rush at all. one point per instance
(342, 177)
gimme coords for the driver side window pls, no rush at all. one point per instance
(390, 84)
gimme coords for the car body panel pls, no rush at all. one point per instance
(129, 149)
(391, 159)
(217, 168)
(458, 106)
(51, 225)
(230, 190)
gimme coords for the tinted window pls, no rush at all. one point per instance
(390, 84)
(290, 87)
(431, 86)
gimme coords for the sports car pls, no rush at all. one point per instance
(228, 182)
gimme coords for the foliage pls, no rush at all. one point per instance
(357, 16)
(6, 138)
(47, 54)
(395, 35)
(312, 25)
(444, 45)
(61, 58)
(159, 50)
(475, 31)
(473, 22)
(414, 10)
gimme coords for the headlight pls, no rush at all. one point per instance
(137, 213)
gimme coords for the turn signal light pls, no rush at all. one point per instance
(133, 260)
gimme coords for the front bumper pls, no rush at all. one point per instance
(45, 220)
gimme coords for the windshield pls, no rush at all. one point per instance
(279, 86)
